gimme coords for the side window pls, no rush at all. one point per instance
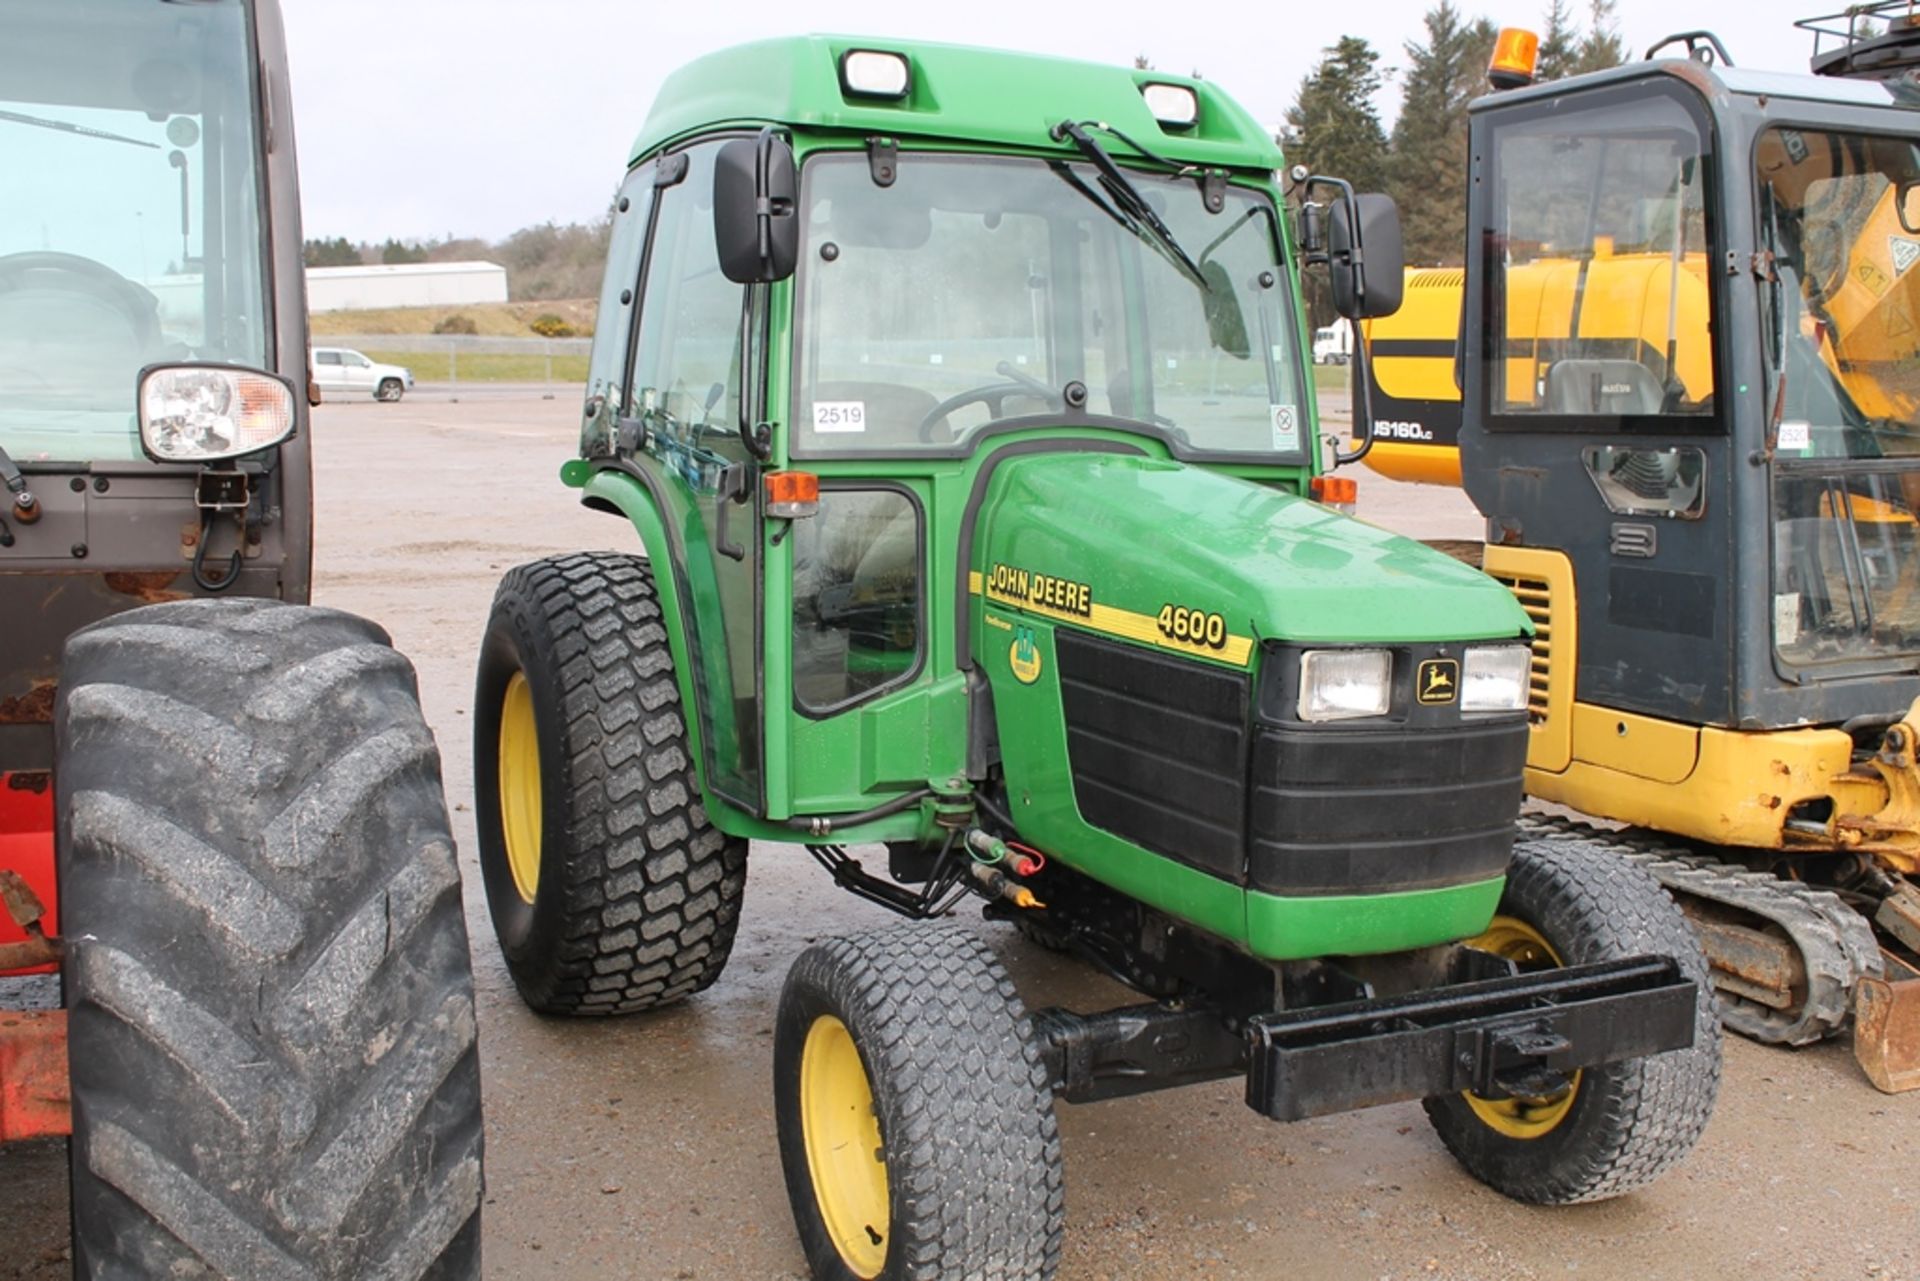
(1602, 290)
(856, 596)
(326, 357)
(686, 366)
(613, 322)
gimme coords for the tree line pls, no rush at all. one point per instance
(546, 261)
(1334, 128)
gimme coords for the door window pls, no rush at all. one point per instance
(856, 597)
(686, 382)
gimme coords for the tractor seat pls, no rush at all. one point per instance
(1602, 387)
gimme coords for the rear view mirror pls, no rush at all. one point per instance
(1366, 263)
(755, 209)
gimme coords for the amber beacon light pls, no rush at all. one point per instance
(1514, 53)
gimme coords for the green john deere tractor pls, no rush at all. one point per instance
(959, 402)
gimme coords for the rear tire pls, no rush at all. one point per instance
(1626, 1122)
(618, 894)
(271, 1006)
(389, 390)
(911, 1044)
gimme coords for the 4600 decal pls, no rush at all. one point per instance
(1194, 626)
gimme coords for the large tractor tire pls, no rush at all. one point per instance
(1622, 1124)
(915, 1115)
(610, 890)
(271, 1003)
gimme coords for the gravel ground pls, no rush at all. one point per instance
(645, 1148)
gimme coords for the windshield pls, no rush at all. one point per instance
(975, 289)
(130, 225)
(1841, 213)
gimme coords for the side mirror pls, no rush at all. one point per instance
(755, 209)
(1907, 205)
(1367, 264)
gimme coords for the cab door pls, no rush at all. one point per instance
(683, 390)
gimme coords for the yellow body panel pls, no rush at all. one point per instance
(1543, 583)
(1657, 750)
(1739, 793)
(1414, 463)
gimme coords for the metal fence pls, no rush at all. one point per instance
(465, 358)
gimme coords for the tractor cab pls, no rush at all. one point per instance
(976, 456)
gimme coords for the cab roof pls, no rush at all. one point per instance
(957, 93)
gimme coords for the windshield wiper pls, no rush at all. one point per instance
(1126, 195)
(67, 126)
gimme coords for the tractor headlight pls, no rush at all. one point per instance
(1340, 684)
(204, 413)
(1494, 678)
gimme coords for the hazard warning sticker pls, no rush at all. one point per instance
(1905, 253)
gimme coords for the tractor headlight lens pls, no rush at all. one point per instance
(203, 413)
(1340, 684)
(1494, 678)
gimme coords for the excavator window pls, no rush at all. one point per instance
(1843, 338)
(1603, 302)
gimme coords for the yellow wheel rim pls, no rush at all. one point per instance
(1518, 1118)
(843, 1146)
(520, 785)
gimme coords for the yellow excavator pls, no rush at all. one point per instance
(1679, 374)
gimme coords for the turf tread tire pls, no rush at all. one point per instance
(963, 1098)
(271, 1022)
(639, 893)
(1632, 1120)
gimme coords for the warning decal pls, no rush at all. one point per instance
(1905, 253)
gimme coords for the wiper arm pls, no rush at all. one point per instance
(67, 126)
(1127, 196)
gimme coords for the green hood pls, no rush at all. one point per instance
(1113, 540)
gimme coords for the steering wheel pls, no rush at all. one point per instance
(138, 305)
(994, 396)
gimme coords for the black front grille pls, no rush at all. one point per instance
(1342, 811)
(1158, 748)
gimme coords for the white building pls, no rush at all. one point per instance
(412, 284)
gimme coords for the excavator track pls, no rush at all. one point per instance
(1742, 915)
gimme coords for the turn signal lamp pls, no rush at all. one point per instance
(1339, 492)
(792, 494)
(872, 73)
(1174, 106)
(205, 413)
(1515, 52)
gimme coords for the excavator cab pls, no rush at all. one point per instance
(1690, 411)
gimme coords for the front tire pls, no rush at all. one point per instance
(389, 390)
(1623, 1124)
(271, 1006)
(611, 891)
(915, 1116)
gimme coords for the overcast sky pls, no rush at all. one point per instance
(425, 118)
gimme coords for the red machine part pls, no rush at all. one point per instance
(34, 1098)
(26, 848)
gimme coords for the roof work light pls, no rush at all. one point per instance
(874, 73)
(1515, 51)
(1175, 106)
